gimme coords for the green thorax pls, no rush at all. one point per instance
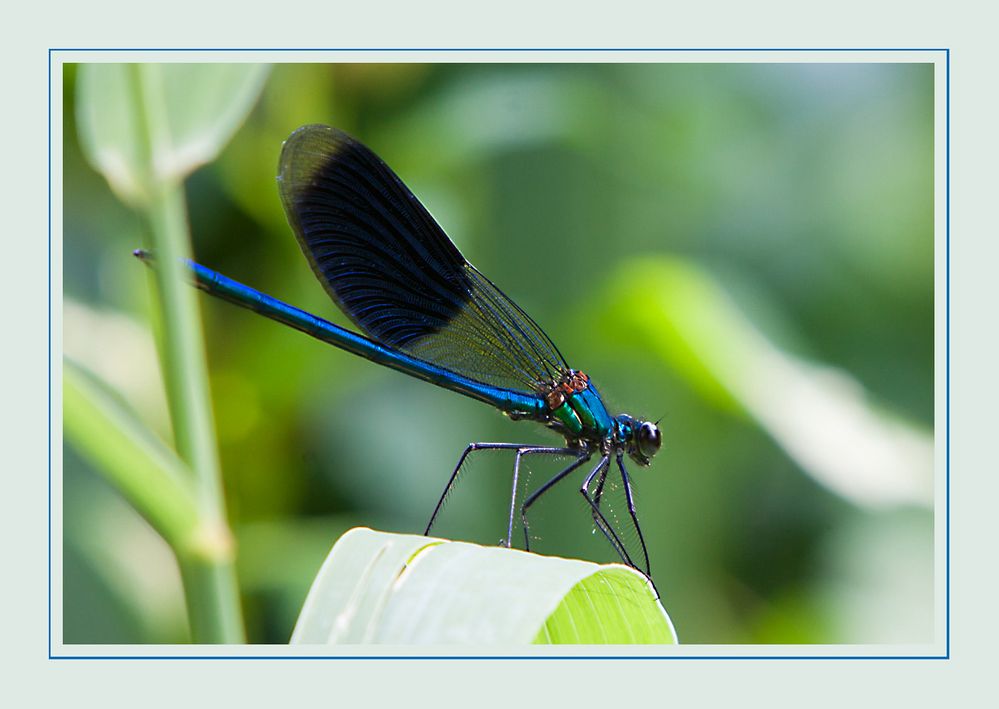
(584, 415)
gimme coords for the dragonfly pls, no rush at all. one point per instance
(424, 310)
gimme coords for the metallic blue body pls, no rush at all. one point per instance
(516, 404)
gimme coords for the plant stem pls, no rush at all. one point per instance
(212, 601)
(209, 578)
(184, 368)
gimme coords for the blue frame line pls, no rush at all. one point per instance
(624, 50)
(498, 657)
(947, 354)
(48, 296)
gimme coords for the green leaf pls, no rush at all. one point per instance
(192, 109)
(615, 605)
(131, 458)
(377, 587)
(821, 416)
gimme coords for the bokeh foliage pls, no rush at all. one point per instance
(803, 192)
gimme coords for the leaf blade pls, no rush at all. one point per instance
(192, 111)
(377, 587)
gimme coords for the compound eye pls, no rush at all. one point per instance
(650, 439)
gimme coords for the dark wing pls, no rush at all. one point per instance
(390, 267)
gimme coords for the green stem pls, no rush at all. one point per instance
(185, 369)
(209, 582)
(212, 600)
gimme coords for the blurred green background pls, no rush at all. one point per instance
(743, 250)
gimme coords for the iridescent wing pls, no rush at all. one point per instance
(394, 272)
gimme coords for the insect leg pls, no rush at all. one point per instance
(545, 488)
(626, 479)
(471, 448)
(534, 450)
(598, 516)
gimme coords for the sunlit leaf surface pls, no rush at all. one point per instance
(377, 587)
(191, 110)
